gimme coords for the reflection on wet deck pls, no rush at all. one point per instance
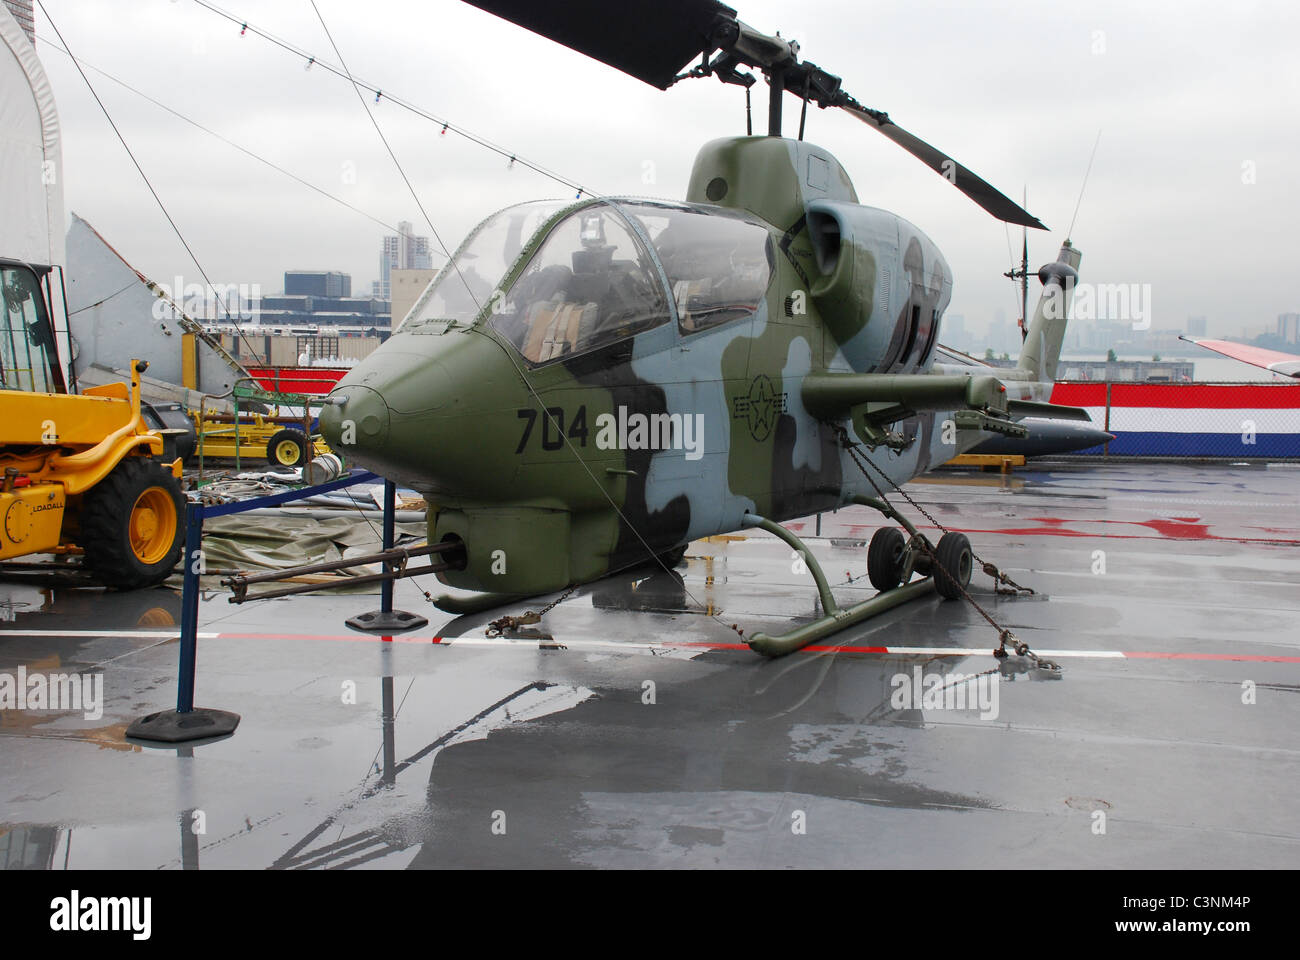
(635, 729)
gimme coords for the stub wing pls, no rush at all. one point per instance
(874, 401)
(1287, 364)
(1052, 411)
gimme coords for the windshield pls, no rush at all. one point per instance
(718, 264)
(26, 336)
(466, 284)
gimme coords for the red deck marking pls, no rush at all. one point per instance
(1163, 529)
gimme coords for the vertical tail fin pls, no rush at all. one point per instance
(1041, 353)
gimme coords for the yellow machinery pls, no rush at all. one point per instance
(80, 476)
(282, 440)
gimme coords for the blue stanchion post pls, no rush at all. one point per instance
(190, 606)
(390, 525)
(386, 619)
(188, 722)
(185, 722)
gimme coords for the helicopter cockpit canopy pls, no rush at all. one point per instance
(591, 279)
(468, 282)
(590, 283)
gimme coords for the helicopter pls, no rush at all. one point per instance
(590, 385)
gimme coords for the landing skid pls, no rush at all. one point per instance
(479, 602)
(835, 617)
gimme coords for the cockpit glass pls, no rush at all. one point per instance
(589, 284)
(468, 281)
(27, 349)
(718, 264)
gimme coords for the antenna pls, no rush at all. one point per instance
(1021, 274)
(1070, 232)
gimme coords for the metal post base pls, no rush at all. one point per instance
(168, 726)
(387, 621)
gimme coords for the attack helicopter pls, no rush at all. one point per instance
(590, 385)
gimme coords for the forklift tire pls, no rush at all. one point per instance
(885, 558)
(955, 562)
(288, 448)
(132, 526)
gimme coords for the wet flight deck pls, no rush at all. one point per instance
(633, 728)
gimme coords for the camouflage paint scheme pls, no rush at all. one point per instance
(438, 407)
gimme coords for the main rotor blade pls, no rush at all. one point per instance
(982, 192)
(652, 40)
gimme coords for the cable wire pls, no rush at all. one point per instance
(226, 140)
(161, 206)
(380, 93)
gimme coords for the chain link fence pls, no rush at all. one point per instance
(1233, 421)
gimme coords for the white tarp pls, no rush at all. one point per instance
(31, 161)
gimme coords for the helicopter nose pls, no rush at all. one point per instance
(356, 421)
(412, 411)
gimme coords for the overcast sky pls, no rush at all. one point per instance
(1191, 98)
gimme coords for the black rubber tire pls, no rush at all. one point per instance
(955, 564)
(106, 527)
(885, 558)
(287, 435)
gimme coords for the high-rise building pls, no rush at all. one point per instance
(22, 11)
(402, 252)
(1196, 326)
(1288, 327)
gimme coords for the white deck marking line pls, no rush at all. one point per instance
(529, 643)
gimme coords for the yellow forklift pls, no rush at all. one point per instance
(82, 474)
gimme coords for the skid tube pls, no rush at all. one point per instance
(835, 618)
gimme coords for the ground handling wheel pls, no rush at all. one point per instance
(287, 448)
(131, 525)
(885, 558)
(955, 562)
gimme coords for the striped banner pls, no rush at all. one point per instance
(1233, 421)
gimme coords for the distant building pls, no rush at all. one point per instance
(402, 252)
(22, 11)
(1288, 327)
(322, 298)
(317, 283)
(1127, 371)
(1196, 326)
(407, 285)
